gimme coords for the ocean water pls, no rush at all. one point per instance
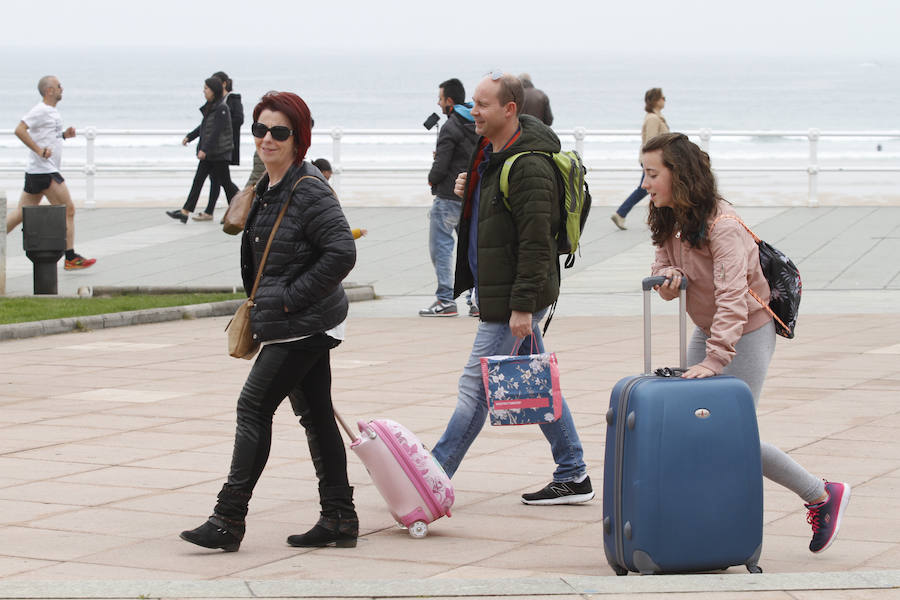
(161, 89)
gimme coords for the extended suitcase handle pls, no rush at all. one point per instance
(647, 285)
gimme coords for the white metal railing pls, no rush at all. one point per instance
(91, 168)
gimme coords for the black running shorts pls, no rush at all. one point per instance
(35, 183)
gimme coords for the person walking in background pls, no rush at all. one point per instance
(509, 256)
(455, 143)
(696, 238)
(654, 125)
(42, 132)
(213, 150)
(236, 110)
(537, 104)
(299, 316)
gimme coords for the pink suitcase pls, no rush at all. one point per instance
(410, 480)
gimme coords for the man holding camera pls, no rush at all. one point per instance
(455, 144)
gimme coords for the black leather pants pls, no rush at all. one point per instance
(302, 370)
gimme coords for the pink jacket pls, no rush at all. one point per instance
(719, 275)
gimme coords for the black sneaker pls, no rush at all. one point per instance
(567, 492)
(439, 309)
(473, 311)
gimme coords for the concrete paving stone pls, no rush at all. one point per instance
(854, 448)
(79, 572)
(111, 521)
(77, 494)
(888, 559)
(845, 594)
(125, 589)
(17, 512)
(159, 441)
(482, 572)
(708, 595)
(10, 566)
(510, 505)
(47, 544)
(442, 548)
(554, 559)
(140, 477)
(314, 565)
(106, 420)
(879, 487)
(397, 587)
(27, 469)
(778, 548)
(175, 555)
(79, 452)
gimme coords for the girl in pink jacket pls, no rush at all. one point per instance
(734, 334)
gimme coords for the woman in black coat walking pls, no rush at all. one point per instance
(298, 316)
(213, 150)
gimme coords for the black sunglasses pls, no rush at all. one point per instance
(279, 132)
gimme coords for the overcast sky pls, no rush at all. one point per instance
(863, 28)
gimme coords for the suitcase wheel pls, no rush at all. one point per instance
(418, 529)
(619, 570)
(755, 569)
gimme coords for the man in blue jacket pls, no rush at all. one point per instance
(455, 144)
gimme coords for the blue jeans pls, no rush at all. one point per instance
(471, 407)
(635, 197)
(444, 219)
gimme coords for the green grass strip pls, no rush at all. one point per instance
(23, 310)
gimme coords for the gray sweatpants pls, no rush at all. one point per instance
(753, 352)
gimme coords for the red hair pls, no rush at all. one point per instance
(294, 108)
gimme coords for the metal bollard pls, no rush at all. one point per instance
(2, 243)
(44, 241)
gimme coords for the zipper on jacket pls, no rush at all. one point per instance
(410, 468)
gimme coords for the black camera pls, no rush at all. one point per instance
(431, 121)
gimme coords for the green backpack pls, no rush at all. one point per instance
(574, 203)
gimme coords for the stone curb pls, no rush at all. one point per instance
(15, 331)
(698, 585)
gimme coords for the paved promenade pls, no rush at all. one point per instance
(113, 441)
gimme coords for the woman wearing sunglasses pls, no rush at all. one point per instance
(214, 151)
(298, 317)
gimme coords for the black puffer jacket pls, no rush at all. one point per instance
(312, 252)
(214, 132)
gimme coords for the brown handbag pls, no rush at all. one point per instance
(237, 212)
(240, 338)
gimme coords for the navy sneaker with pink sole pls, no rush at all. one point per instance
(825, 517)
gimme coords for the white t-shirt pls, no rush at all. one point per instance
(339, 332)
(45, 128)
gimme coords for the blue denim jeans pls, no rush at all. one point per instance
(444, 220)
(471, 407)
(635, 197)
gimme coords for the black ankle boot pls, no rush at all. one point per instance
(338, 530)
(216, 533)
(338, 524)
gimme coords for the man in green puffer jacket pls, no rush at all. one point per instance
(508, 254)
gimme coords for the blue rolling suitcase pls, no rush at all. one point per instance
(682, 487)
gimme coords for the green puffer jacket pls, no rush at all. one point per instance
(517, 259)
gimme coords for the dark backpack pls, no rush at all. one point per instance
(784, 283)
